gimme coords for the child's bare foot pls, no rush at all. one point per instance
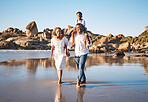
(78, 84)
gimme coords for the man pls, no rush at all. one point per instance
(82, 42)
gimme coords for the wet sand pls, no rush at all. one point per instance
(109, 79)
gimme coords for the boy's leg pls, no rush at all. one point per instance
(82, 61)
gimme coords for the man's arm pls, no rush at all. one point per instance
(87, 39)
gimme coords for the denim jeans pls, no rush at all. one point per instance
(80, 61)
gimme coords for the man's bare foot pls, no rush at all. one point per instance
(59, 82)
(78, 84)
(83, 82)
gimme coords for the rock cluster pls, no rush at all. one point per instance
(13, 38)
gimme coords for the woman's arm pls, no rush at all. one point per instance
(52, 49)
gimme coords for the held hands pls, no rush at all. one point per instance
(67, 53)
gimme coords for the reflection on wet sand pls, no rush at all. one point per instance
(32, 64)
(58, 96)
(80, 93)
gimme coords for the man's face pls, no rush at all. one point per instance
(79, 28)
(79, 16)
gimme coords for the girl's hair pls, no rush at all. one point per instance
(79, 13)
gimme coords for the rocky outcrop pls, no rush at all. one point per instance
(31, 29)
(119, 54)
(125, 46)
(103, 40)
(146, 28)
(16, 39)
(110, 35)
(7, 45)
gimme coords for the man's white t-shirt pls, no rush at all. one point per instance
(80, 45)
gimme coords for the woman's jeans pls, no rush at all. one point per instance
(80, 61)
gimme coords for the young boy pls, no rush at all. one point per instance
(79, 19)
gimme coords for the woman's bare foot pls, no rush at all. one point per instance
(78, 84)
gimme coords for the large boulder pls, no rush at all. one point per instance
(7, 45)
(109, 35)
(11, 39)
(116, 46)
(31, 29)
(119, 54)
(103, 40)
(146, 28)
(125, 46)
(120, 36)
(70, 30)
(10, 29)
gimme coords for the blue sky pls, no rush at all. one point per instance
(128, 17)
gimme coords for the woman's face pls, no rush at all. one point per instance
(59, 32)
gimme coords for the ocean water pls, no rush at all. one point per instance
(30, 75)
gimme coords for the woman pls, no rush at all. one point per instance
(59, 46)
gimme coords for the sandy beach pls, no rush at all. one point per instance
(29, 76)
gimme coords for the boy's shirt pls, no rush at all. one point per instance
(82, 21)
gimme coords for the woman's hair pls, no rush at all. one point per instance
(54, 31)
(60, 29)
(79, 13)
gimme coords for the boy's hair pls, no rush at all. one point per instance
(79, 13)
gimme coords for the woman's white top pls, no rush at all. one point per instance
(80, 44)
(81, 21)
(59, 52)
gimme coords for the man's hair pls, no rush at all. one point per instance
(79, 13)
(80, 25)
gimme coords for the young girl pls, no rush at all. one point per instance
(59, 46)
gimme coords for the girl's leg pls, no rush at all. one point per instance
(59, 76)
